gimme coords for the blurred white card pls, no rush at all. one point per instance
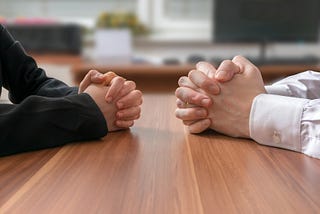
(113, 43)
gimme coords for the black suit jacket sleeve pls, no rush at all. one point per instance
(46, 112)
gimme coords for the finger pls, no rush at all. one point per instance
(186, 82)
(226, 71)
(206, 68)
(134, 98)
(181, 104)
(108, 77)
(116, 85)
(204, 82)
(92, 76)
(190, 96)
(127, 87)
(189, 122)
(124, 123)
(131, 113)
(199, 126)
(191, 113)
(242, 63)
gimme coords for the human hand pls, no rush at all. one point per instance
(192, 99)
(121, 91)
(128, 105)
(231, 109)
(109, 79)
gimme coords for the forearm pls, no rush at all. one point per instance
(21, 75)
(40, 122)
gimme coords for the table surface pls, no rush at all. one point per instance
(151, 78)
(158, 167)
(268, 71)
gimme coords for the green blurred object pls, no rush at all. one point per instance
(121, 20)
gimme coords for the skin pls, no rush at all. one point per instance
(207, 76)
(230, 111)
(116, 97)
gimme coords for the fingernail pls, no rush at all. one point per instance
(205, 102)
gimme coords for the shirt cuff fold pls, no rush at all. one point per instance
(278, 90)
(276, 121)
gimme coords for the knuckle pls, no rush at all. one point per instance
(139, 93)
(226, 62)
(92, 72)
(200, 63)
(138, 110)
(182, 80)
(118, 79)
(137, 117)
(178, 92)
(191, 73)
(237, 57)
(111, 74)
(132, 84)
(177, 113)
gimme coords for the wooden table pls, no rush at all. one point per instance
(58, 58)
(150, 77)
(158, 167)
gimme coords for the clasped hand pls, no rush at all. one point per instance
(219, 99)
(117, 98)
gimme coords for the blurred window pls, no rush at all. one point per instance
(62, 8)
(180, 17)
(182, 13)
(174, 19)
(187, 9)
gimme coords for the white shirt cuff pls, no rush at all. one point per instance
(276, 120)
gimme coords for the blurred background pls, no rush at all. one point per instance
(161, 32)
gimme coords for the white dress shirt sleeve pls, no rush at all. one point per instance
(303, 85)
(289, 117)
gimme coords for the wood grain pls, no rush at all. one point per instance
(158, 167)
(163, 78)
(145, 170)
(242, 176)
(16, 170)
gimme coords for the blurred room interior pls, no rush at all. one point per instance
(68, 37)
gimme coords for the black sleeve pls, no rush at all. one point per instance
(40, 122)
(47, 112)
(21, 76)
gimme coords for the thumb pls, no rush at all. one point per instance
(226, 71)
(92, 76)
(243, 63)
